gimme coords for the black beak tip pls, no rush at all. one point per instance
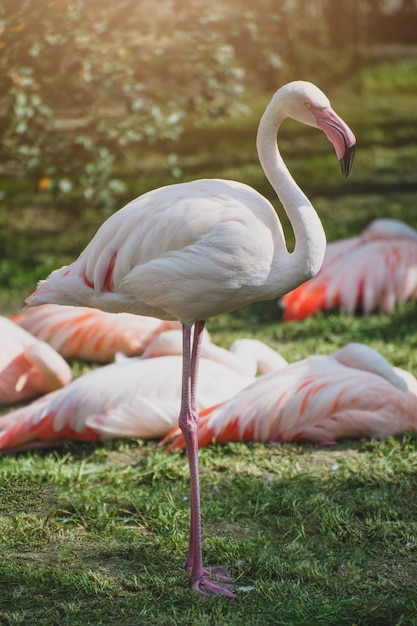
(346, 161)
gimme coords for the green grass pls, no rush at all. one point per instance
(96, 534)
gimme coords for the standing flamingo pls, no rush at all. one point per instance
(374, 271)
(352, 393)
(194, 250)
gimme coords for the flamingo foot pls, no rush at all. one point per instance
(214, 581)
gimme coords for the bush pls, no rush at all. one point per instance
(88, 82)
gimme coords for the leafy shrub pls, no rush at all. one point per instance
(89, 83)
(88, 80)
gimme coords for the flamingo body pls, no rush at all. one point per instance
(90, 334)
(372, 272)
(352, 393)
(28, 367)
(136, 397)
(133, 397)
(206, 267)
(193, 250)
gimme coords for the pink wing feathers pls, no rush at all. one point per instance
(91, 334)
(372, 272)
(353, 393)
(28, 367)
(134, 397)
(130, 398)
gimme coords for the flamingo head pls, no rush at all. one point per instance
(307, 104)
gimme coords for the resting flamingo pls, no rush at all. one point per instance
(374, 271)
(193, 250)
(351, 393)
(28, 367)
(90, 334)
(134, 397)
(131, 399)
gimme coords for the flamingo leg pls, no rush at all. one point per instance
(188, 422)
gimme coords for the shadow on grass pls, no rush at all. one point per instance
(329, 538)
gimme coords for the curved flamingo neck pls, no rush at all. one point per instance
(310, 239)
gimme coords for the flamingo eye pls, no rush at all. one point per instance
(308, 105)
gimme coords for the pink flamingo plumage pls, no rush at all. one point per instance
(137, 397)
(90, 334)
(194, 250)
(133, 397)
(28, 367)
(374, 271)
(351, 393)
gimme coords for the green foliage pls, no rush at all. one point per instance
(89, 85)
(87, 82)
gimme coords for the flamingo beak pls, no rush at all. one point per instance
(339, 134)
(346, 161)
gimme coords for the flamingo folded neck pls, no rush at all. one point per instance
(307, 257)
